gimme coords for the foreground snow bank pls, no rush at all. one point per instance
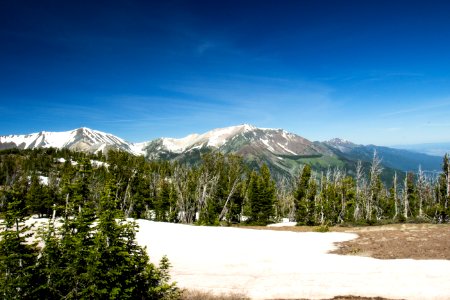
(273, 264)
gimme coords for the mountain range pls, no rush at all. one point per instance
(282, 151)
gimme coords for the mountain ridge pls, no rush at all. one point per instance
(283, 151)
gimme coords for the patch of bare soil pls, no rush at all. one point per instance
(416, 241)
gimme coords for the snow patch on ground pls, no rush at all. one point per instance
(43, 180)
(268, 264)
(284, 223)
(98, 164)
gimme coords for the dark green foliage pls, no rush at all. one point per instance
(91, 255)
(412, 194)
(19, 279)
(304, 198)
(261, 197)
(442, 208)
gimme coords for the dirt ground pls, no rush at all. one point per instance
(416, 241)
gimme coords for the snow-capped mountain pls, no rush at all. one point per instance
(81, 139)
(214, 138)
(282, 151)
(241, 139)
(341, 144)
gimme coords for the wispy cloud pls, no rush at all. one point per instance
(419, 108)
(431, 124)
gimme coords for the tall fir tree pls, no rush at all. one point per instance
(262, 196)
(19, 279)
(301, 196)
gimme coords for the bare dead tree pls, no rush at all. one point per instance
(206, 188)
(394, 188)
(128, 203)
(319, 199)
(185, 205)
(448, 185)
(375, 171)
(338, 178)
(405, 197)
(230, 195)
(359, 187)
(421, 185)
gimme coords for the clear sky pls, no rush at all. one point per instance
(368, 71)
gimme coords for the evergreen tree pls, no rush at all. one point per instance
(261, 195)
(164, 202)
(413, 201)
(302, 206)
(443, 192)
(18, 278)
(86, 260)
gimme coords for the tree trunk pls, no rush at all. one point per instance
(405, 197)
(395, 195)
(224, 209)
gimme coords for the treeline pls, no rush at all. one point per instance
(219, 190)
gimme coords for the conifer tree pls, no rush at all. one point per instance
(18, 278)
(86, 260)
(261, 196)
(300, 195)
(443, 193)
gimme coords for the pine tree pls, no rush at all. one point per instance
(261, 196)
(18, 258)
(101, 260)
(300, 195)
(443, 193)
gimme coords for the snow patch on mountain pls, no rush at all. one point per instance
(266, 143)
(214, 138)
(179, 145)
(286, 149)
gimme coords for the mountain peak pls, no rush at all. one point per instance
(83, 138)
(339, 141)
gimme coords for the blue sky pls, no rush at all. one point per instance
(367, 71)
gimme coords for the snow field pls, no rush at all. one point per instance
(267, 264)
